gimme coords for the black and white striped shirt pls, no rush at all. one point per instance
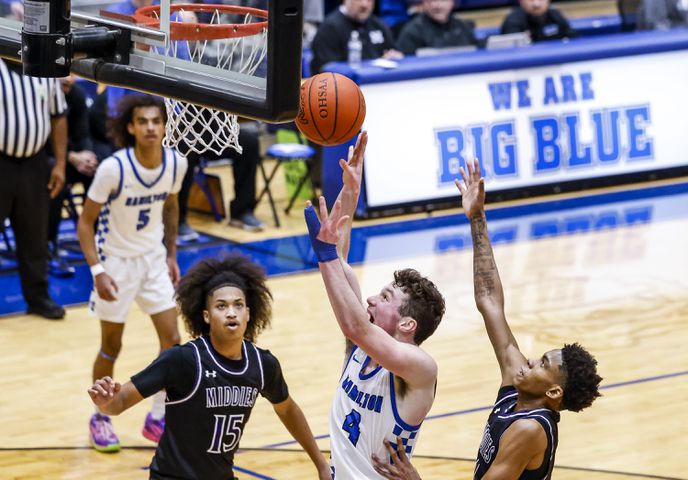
(26, 107)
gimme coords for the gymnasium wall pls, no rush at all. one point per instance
(539, 117)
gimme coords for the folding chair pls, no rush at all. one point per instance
(282, 153)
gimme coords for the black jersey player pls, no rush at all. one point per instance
(212, 382)
(520, 439)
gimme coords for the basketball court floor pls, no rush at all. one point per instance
(605, 268)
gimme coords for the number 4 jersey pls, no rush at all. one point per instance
(130, 221)
(364, 413)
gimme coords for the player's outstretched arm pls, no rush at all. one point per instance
(103, 283)
(487, 286)
(352, 175)
(291, 415)
(111, 397)
(407, 361)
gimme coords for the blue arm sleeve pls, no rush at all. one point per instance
(326, 252)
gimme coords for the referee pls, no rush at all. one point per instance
(31, 111)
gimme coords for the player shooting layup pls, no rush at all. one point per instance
(388, 383)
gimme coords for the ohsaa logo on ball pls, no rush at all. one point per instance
(322, 98)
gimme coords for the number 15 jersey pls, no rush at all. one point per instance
(209, 402)
(364, 413)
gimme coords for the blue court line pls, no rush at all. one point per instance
(643, 380)
(488, 407)
(249, 472)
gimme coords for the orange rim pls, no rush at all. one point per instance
(190, 31)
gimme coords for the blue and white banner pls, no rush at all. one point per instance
(531, 126)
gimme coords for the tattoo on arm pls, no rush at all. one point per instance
(484, 267)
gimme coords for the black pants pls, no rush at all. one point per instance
(24, 198)
(244, 168)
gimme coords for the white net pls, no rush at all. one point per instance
(195, 128)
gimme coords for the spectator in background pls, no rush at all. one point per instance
(244, 168)
(313, 15)
(33, 111)
(662, 14)
(81, 162)
(537, 18)
(331, 42)
(435, 27)
(97, 118)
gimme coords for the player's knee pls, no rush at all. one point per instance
(111, 345)
(170, 340)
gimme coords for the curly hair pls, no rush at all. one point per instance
(581, 379)
(425, 303)
(202, 279)
(117, 126)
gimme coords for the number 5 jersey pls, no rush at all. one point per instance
(130, 221)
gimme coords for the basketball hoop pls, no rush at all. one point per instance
(228, 37)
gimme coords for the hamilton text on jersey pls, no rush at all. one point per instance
(146, 199)
(363, 399)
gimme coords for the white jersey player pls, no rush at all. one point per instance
(133, 198)
(365, 413)
(388, 383)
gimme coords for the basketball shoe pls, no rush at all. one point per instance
(102, 436)
(153, 429)
(248, 222)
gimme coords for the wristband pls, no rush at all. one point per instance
(325, 252)
(97, 269)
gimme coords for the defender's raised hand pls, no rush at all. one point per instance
(472, 189)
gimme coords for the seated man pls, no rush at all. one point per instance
(536, 17)
(331, 42)
(435, 27)
(662, 14)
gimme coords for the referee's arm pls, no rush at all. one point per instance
(58, 137)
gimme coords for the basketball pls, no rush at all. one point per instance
(331, 109)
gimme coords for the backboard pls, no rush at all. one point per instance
(109, 42)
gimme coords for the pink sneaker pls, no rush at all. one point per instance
(153, 429)
(101, 434)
